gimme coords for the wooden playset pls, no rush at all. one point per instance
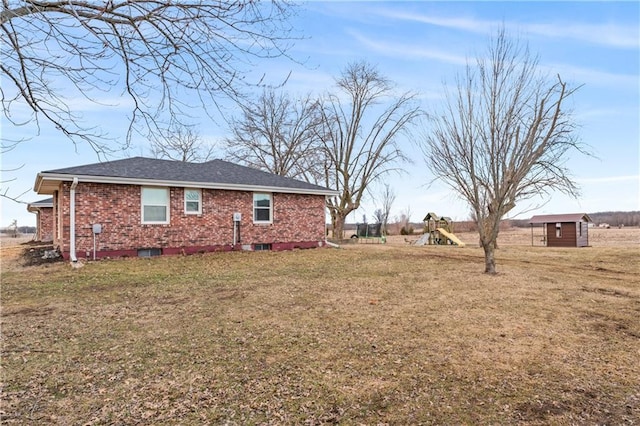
(438, 231)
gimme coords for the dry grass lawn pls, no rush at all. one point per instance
(366, 334)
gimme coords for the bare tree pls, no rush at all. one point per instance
(278, 134)
(181, 143)
(160, 58)
(361, 127)
(378, 216)
(403, 221)
(504, 136)
(388, 197)
(14, 228)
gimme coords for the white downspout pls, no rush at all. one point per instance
(72, 220)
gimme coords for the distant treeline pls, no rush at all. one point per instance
(617, 218)
(20, 230)
(613, 219)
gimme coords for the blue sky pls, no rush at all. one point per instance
(420, 45)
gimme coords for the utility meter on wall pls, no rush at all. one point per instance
(97, 228)
(237, 217)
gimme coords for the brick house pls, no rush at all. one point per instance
(143, 207)
(562, 230)
(43, 210)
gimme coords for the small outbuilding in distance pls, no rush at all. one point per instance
(561, 230)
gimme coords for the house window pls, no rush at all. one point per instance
(192, 201)
(149, 252)
(155, 205)
(262, 208)
(580, 224)
(558, 230)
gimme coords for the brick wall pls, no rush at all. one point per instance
(45, 224)
(296, 219)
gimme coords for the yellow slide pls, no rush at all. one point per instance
(450, 236)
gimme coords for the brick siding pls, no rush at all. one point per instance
(44, 224)
(298, 221)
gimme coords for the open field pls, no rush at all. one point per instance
(598, 237)
(367, 334)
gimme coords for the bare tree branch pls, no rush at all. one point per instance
(161, 58)
(278, 134)
(181, 143)
(15, 198)
(4, 192)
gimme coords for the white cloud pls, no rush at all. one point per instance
(614, 35)
(596, 113)
(404, 50)
(610, 179)
(465, 24)
(611, 35)
(580, 75)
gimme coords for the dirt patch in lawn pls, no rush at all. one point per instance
(17, 253)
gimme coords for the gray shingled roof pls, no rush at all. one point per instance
(554, 218)
(47, 202)
(33, 207)
(211, 172)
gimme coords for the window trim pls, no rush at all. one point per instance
(255, 220)
(167, 206)
(199, 191)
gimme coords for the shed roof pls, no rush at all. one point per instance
(569, 217)
(215, 174)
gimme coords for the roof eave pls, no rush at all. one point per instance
(542, 219)
(62, 177)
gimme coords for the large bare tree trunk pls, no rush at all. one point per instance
(489, 258)
(338, 227)
(488, 228)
